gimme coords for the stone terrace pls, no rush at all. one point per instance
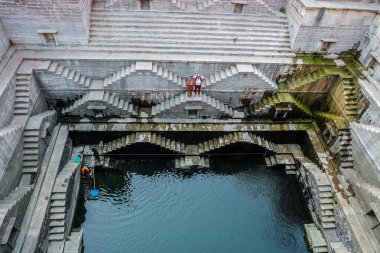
(191, 34)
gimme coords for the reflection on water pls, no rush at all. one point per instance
(239, 206)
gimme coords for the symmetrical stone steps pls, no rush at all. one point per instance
(121, 73)
(144, 137)
(189, 33)
(21, 106)
(119, 105)
(57, 213)
(183, 98)
(325, 196)
(69, 74)
(9, 203)
(235, 137)
(169, 75)
(192, 161)
(76, 105)
(306, 79)
(8, 142)
(265, 104)
(315, 238)
(221, 75)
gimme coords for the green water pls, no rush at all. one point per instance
(239, 206)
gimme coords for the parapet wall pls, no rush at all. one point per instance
(310, 26)
(4, 42)
(22, 19)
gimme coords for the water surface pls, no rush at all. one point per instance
(239, 206)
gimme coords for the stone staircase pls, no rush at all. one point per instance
(349, 91)
(117, 76)
(346, 161)
(30, 151)
(221, 75)
(315, 239)
(113, 103)
(183, 98)
(8, 214)
(21, 106)
(32, 131)
(265, 104)
(144, 137)
(298, 83)
(232, 138)
(60, 202)
(69, 74)
(188, 162)
(190, 33)
(271, 160)
(323, 198)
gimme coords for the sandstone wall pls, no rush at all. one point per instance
(7, 100)
(10, 159)
(22, 19)
(309, 26)
(4, 42)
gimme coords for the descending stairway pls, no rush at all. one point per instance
(190, 33)
(183, 98)
(324, 195)
(346, 161)
(117, 106)
(17, 199)
(221, 75)
(306, 79)
(60, 202)
(315, 238)
(121, 73)
(32, 138)
(144, 137)
(30, 151)
(351, 103)
(69, 74)
(21, 106)
(232, 138)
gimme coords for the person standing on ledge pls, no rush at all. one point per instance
(190, 86)
(198, 84)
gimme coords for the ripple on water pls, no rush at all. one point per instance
(205, 212)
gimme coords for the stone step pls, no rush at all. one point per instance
(325, 207)
(327, 225)
(57, 223)
(57, 210)
(58, 203)
(30, 170)
(56, 237)
(56, 230)
(57, 216)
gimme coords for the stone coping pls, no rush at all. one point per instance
(203, 126)
(354, 6)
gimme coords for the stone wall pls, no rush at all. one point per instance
(309, 26)
(36, 97)
(365, 151)
(10, 159)
(371, 115)
(7, 100)
(4, 42)
(22, 19)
